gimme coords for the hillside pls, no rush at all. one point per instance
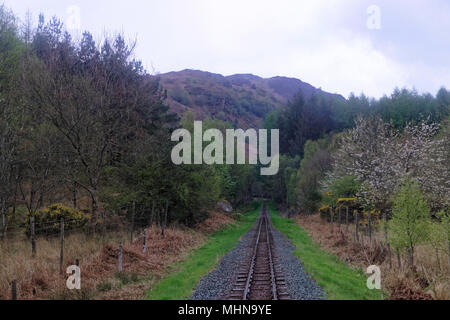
(242, 99)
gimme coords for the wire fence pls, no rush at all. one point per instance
(369, 232)
(59, 228)
(364, 229)
(50, 228)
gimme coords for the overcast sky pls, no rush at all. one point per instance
(341, 46)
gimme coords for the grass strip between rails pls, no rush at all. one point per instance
(180, 284)
(339, 281)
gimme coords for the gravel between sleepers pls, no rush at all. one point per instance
(220, 281)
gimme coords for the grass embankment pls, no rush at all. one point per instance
(180, 284)
(339, 281)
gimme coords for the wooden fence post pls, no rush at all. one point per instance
(386, 238)
(339, 215)
(14, 290)
(164, 220)
(120, 257)
(166, 212)
(33, 240)
(332, 222)
(61, 256)
(3, 228)
(390, 255)
(144, 248)
(346, 219)
(133, 212)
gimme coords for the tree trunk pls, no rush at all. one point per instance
(104, 214)
(16, 190)
(94, 199)
(133, 213)
(411, 257)
(74, 196)
(3, 226)
(161, 221)
(33, 240)
(385, 227)
(166, 212)
(390, 255)
(437, 258)
(357, 226)
(150, 222)
(164, 219)
(40, 202)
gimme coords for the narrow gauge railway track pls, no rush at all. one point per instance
(261, 277)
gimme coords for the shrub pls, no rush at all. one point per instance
(238, 216)
(47, 221)
(410, 222)
(440, 233)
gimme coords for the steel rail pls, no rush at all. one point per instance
(252, 264)
(272, 272)
(248, 286)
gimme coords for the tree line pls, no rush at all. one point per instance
(388, 157)
(314, 134)
(81, 120)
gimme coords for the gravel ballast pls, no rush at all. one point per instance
(218, 283)
(300, 285)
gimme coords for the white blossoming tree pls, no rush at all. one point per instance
(380, 157)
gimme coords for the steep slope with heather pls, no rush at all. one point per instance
(242, 99)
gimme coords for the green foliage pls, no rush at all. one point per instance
(345, 187)
(410, 222)
(238, 216)
(408, 106)
(344, 112)
(126, 278)
(439, 235)
(189, 190)
(280, 185)
(11, 50)
(303, 120)
(315, 163)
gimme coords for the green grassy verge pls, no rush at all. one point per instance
(339, 281)
(180, 284)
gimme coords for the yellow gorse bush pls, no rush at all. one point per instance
(48, 221)
(324, 208)
(342, 200)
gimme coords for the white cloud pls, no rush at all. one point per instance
(324, 42)
(344, 67)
